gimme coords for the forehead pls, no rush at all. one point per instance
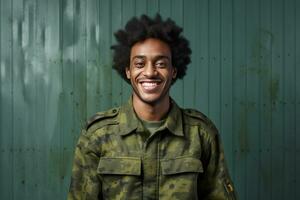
(150, 47)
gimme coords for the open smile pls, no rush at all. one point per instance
(150, 85)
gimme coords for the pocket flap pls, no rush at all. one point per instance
(119, 165)
(181, 165)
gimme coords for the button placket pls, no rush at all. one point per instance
(149, 166)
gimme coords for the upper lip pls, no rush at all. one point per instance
(149, 80)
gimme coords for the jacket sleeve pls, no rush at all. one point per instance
(85, 183)
(215, 182)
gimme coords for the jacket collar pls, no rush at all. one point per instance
(129, 121)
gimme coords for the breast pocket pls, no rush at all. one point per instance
(120, 176)
(179, 177)
(181, 165)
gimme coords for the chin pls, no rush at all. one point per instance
(149, 100)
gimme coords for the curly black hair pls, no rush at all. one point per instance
(140, 29)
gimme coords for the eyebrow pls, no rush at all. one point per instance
(138, 57)
(155, 57)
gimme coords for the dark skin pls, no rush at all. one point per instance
(151, 74)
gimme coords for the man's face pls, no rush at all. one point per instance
(151, 71)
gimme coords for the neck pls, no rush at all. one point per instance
(151, 112)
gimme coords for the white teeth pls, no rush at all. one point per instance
(148, 84)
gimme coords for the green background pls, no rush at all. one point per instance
(55, 62)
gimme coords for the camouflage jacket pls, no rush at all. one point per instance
(183, 160)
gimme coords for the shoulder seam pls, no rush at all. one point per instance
(198, 115)
(195, 113)
(100, 116)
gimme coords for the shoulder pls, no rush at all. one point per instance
(102, 118)
(207, 129)
(88, 139)
(194, 116)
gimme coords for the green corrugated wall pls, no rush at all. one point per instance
(55, 63)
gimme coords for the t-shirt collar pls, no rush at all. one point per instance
(130, 122)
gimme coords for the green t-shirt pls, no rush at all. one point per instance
(152, 126)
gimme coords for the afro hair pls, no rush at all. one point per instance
(140, 29)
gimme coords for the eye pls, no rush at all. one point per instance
(139, 64)
(161, 64)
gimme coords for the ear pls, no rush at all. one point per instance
(127, 70)
(174, 73)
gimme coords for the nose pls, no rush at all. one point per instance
(150, 70)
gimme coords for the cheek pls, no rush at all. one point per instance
(135, 73)
(171, 74)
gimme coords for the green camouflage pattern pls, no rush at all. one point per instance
(182, 160)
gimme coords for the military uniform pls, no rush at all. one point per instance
(182, 160)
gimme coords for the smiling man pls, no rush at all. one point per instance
(151, 75)
(150, 148)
